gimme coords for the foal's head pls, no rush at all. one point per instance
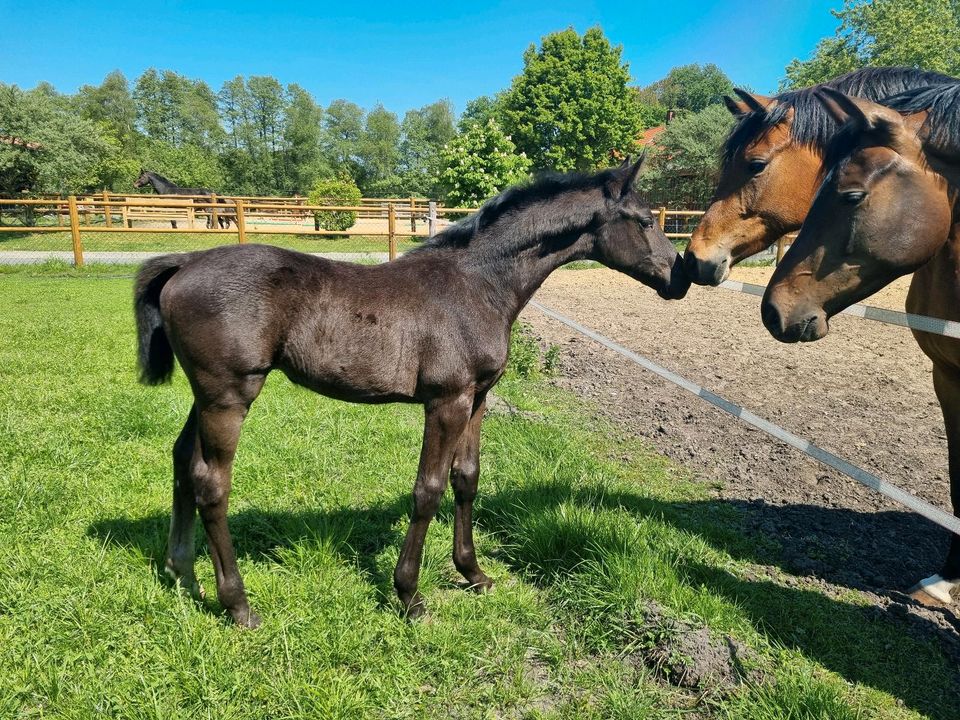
(630, 240)
(143, 179)
(881, 212)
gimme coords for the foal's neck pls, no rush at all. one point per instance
(516, 254)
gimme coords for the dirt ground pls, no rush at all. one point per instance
(864, 392)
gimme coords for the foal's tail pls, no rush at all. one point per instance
(154, 354)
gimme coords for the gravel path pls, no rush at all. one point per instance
(863, 392)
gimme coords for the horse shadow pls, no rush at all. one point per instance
(798, 616)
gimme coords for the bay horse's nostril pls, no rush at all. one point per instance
(771, 318)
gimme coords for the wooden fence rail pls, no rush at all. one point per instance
(79, 211)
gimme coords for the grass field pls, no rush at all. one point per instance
(592, 540)
(170, 242)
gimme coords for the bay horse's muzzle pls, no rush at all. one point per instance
(710, 271)
(804, 325)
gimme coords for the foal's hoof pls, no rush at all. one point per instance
(186, 584)
(481, 584)
(918, 593)
(414, 608)
(246, 618)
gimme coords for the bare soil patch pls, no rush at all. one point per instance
(864, 392)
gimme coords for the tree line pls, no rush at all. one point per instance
(572, 107)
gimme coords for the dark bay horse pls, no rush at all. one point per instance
(888, 206)
(162, 186)
(432, 327)
(771, 165)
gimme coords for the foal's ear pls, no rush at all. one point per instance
(632, 173)
(625, 163)
(757, 103)
(864, 114)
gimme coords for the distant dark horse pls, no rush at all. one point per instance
(166, 187)
(432, 327)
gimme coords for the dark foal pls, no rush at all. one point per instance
(433, 327)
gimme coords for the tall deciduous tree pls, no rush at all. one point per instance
(479, 163)
(424, 133)
(380, 153)
(692, 87)
(920, 33)
(570, 108)
(342, 137)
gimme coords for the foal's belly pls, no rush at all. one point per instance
(352, 356)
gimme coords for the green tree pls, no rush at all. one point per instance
(424, 132)
(47, 147)
(380, 153)
(570, 108)
(685, 160)
(302, 137)
(479, 163)
(920, 33)
(692, 87)
(111, 105)
(342, 138)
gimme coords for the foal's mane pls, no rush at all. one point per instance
(812, 125)
(517, 199)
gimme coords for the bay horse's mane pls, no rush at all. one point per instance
(520, 197)
(941, 127)
(812, 125)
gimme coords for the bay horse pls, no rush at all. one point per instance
(163, 186)
(432, 327)
(771, 164)
(889, 205)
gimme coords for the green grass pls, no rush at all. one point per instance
(171, 242)
(579, 528)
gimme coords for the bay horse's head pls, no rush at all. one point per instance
(881, 212)
(143, 179)
(629, 239)
(767, 181)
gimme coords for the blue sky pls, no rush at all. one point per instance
(403, 55)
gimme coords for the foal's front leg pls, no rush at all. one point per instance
(445, 420)
(464, 476)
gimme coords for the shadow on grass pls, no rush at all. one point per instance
(881, 647)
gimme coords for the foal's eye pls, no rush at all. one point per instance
(756, 166)
(646, 222)
(853, 197)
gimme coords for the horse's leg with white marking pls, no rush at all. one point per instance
(936, 590)
(181, 545)
(444, 423)
(464, 476)
(219, 430)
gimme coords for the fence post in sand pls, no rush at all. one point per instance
(392, 231)
(432, 218)
(107, 219)
(75, 231)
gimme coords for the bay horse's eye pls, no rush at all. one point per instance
(853, 197)
(756, 166)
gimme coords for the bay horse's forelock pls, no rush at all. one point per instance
(432, 327)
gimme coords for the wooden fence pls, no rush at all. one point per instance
(119, 212)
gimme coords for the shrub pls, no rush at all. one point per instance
(334, 192)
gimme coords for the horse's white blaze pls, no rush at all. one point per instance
(939, 588)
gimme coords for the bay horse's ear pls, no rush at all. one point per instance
(847, 108)
(633, 173)
(737, 109)
(757, 103)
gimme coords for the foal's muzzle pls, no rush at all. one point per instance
(678, 284)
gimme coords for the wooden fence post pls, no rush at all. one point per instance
(75, 231)
(413, 217)
(107, 219)
(663, 218)
(391, 231)
(432, 218)
(241, 223)
(213, 211)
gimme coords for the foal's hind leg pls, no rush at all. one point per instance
(219, 430)
(444, 424)
(936, 590)
(464, 476)
(181, 546)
